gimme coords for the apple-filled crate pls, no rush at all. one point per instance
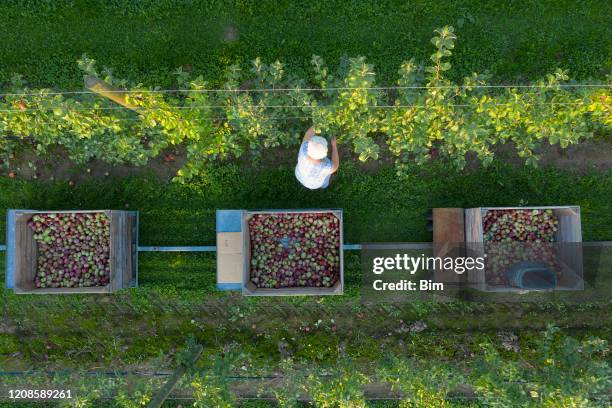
(292, 252)
(511, 236)
(75, 251)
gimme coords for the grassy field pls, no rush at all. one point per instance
(378, 207)
(146, 40)
(145, 328)
(176, 289)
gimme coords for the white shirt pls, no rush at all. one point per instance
(312, 174)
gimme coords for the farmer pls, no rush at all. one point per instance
(314, 169)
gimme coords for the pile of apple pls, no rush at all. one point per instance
(513, 236)
(520, 225)
(294, 250)
(73, 249)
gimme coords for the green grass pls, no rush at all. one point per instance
(176, 288)
(145, 40)
(378, 207)
(177, 299)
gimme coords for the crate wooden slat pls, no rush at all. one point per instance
(27, 253)
(229, 260)
(449, 225)
(448, 239)
(249, 289)
(133, 243)
(473, 225)
(123, 251)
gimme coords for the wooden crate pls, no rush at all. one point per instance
(123, 253)
(569, 232)
(249, 289)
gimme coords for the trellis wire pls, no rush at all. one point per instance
(124, 119)
(314, 89)
(279, 107)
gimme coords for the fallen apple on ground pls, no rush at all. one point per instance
(73, 249)
(294, 250)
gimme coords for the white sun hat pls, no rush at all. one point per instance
(317, 148)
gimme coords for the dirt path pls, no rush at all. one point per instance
(586, 156)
